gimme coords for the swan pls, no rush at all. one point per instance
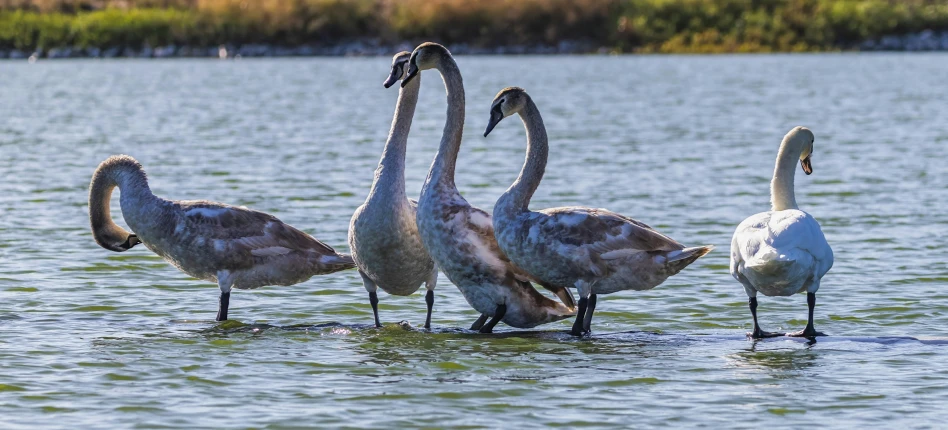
(459, 237)
(233, 246)
(594, 250)
(383, 236)
(782, 252)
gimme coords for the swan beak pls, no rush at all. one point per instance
(412, 71)
(393, 77)
(495, 117)
(130, 242)
(390, 81)
(807, 166)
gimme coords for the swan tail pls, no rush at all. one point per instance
(337, 262)
(563, 294)
(561, 312)
(678, 260)
(770, 264)
(555, 310)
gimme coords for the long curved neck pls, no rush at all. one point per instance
(517, 198)
(781, 187)
(390, 176)
(128, 175)
(442, 169)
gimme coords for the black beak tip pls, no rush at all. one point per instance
(387, 84)
(490, 127)
(130, 242)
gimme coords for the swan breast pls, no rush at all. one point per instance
(387, 247)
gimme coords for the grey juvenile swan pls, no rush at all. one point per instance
(383, 235)
(783, 251)
(459, 237)
(235, 247)
(594, 250)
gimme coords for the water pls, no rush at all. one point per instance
(687, 144)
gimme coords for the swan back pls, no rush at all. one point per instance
(780, 252)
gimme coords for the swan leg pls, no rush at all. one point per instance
(809, 331)
(498, 315)
(374, 301)
(429, 300)
(429, 296)
(480, 322)
(223, 306)
(590, 308)
(757, 333)
(373, 296)
(580, 317)
(225, 283)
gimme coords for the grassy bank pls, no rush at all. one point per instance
(619, 25)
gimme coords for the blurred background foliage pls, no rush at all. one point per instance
(699, 26)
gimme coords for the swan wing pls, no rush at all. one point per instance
(257, 233)
(604, 234)
(795, 229)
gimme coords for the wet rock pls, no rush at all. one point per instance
(892, 43)
(926, 40)
(59, 53)
(255, 50)
(165, 51)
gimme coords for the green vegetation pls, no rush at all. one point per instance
(620, 25)
(774, 25)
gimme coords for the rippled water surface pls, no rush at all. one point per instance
(687, 144)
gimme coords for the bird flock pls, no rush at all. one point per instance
(397, 244)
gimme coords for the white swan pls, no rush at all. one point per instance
(782, 252)
(460, 237)
(594, 250)
(235, 247)
(383, 236)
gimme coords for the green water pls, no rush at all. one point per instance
(93, 338)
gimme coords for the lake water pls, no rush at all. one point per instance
(92, 338)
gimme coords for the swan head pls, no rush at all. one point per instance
(118, 241)
(507, 102)
(801, 139)
(426, 56)
(398, 68)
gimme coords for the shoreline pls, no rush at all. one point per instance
(924, 41)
